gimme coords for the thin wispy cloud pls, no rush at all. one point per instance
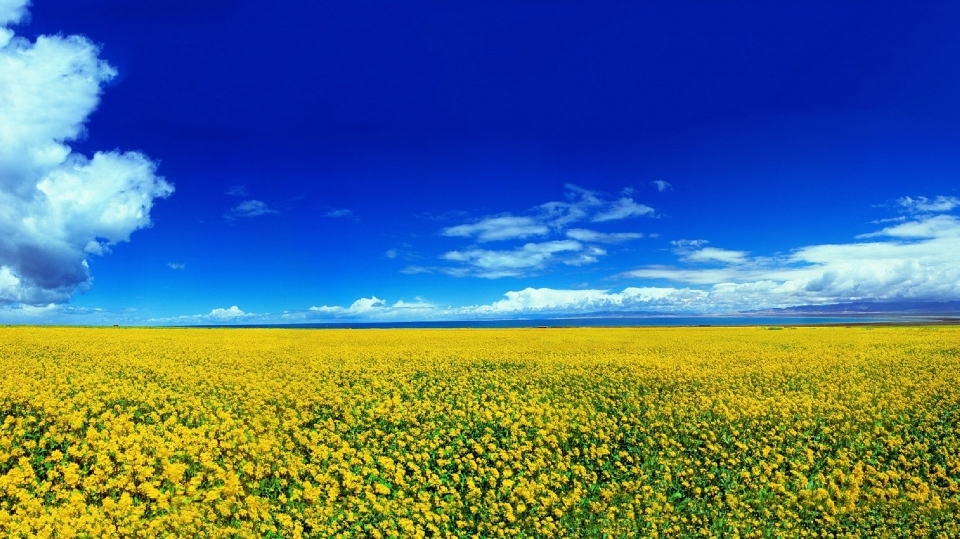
(249, 208)
(503, 227)
(176, 265)
(549, 224)
(493, 264)
(661, 185)
(341, 213)
(926, 205)
(587, 235)
(237, 191)
(696, 251)
(625, 208)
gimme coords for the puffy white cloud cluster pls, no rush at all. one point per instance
(372, 308)
(231, 314)
(526, 302)
(57, 207)
(216, 316)
(916, 259)
(362, 305)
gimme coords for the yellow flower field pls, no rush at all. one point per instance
(676, 432)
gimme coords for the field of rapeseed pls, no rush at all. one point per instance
(696, 432)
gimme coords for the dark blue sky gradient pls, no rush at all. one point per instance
(777, 124)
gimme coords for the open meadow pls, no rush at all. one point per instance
(652, 432)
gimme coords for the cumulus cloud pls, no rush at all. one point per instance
(550, 222)
(12, 12)
(525, 302)
(176, 265)
(248, 208)
(363, 309)
(216, 316)
(362, 305)
(58, 207)
(553, 301)
(372, 308)
(916, 259)
(232, 313)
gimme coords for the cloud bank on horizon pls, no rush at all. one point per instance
(914, 259)
(58, 207)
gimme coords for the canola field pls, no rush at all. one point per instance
(523, 433)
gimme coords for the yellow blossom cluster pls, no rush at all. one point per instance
(647, 432)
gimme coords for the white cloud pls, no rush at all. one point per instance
(583, 234)
(12, 12)
(25, 314)
(219, 315)
(661, 185)
(362, 305)
(233, 313)
(925, 205)
(578, 206)
(917, 259)
(390, 253)
(624, 208)
(685, 245)
(248, 208)
(503, 227)
(176, 265)
(714, 254)
(553, 301)
(525, 302)
(514, 262)
(56, 206)
(372, 308)
(549, 221)
(929, 227)
(695, 251)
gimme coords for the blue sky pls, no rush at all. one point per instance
(166, 162)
